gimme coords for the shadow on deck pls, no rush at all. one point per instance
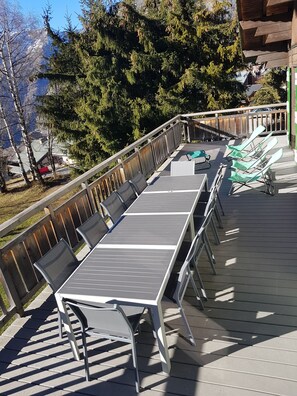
(246, 336)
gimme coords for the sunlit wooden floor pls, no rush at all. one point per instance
(246, 336)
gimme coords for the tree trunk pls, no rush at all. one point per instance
(12, 142)
(3, 187)
(13, 89)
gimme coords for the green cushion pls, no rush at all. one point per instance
(198, 154)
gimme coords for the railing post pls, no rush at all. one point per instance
(136, 149)
(122, 170)
(153, 153)
(49, 211)
(85, 186)
(190, 129)
(217, 121)
(10, 289)
(166, 141)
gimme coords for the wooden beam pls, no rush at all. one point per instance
(273, 58)
(275, 37)
(257, 23)
(294, 25)
(273, 27)
(271, 3)
(277, 63)
(270, 56)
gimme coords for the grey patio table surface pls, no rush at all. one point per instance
(132, 264)
(163, 203)
(177, 183)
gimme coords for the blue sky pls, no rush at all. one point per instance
(59, 9)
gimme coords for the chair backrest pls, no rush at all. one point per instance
(184, 275)
(113, 206)
(107, 320)
(262, 158)
(126, 193)
(256, 132)
(182, 168)
(251, 138)
(262, 172)
(93, 229)
(211, 201)
(138, 182)
(217, 181)
(57, 264)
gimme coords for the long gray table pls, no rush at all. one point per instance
(177, 184)
(132, 263)
(163, 203)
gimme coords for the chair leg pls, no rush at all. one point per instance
(221, 206)
(135, 364)
(86, 360)
(209, 253)
(60, 325)
(218, 217)
(215, 232)
(203, 292)
(201, 285)
(183, 315)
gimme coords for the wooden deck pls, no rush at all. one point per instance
(246, 336)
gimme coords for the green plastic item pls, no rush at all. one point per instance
(198, 154)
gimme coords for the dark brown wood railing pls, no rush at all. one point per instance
(18, 278)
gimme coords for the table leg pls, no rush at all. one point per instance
(158, 323)
(192, 228)
(67, 326)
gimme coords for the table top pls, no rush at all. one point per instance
(134, 259)
(163, 202)
(142, 230)
(110, 275)
(176, 183)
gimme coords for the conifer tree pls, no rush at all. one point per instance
(131, 68)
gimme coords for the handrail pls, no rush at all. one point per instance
(238, 109)
(10, 224)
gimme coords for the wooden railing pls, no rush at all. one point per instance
(18, 279)
(236, 122)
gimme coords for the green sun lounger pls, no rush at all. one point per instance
(263, 176)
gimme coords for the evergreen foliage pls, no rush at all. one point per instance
(273, 89)
(131, 68)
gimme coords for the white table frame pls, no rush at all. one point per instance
(155, 304)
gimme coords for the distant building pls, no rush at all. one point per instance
(41, 152)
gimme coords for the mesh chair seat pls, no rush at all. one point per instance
(93, 230)
(138, 182)
(112, 322)
(113, 206)
(56, 266)
(127, 194)
(178, 282)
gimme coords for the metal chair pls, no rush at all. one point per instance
(112, 322)
(179, 281)
(204, 196)
(113, 207)
(93, 229)
(182, 168)
(263, 176)
(138, 182)
(255, 163)
(201, 213)
(247, 142)
(254, 152)
(127, 194)
(56, 266)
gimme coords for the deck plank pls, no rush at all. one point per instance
(245, 337)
